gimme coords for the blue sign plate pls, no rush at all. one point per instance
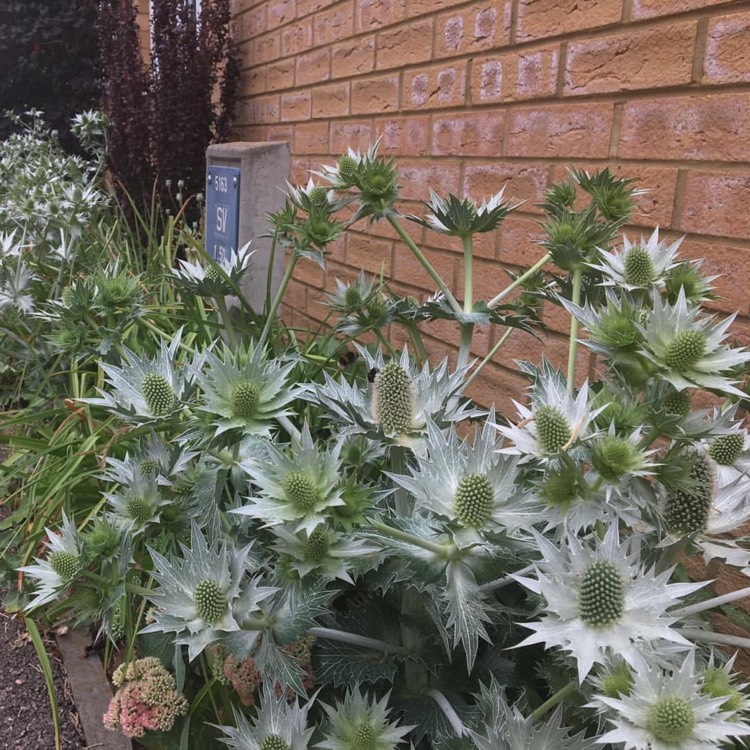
(222, 211)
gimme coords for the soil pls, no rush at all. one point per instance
(25, 714)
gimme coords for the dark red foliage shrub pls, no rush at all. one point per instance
(165, 113)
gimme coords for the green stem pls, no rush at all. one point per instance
(416, 338)
(693, 609)
(558, 697)
(226, 320)
(499, 583)
(384, 341)
(576, 300)
(404, 536)
(525, 275)
(277, 299)
(448, 711)
(488, 358)
(419, 255)
(357, 640)
(269, 275)
(467, 335)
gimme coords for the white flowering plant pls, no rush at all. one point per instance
(332, 545)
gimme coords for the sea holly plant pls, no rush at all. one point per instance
(326, 543)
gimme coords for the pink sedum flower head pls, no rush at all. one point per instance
(146, 699)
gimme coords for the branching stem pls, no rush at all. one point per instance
(358, 640)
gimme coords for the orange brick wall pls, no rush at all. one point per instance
(476, 95)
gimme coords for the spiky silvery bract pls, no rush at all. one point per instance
(216, 277)
(197, 592)
(280, 724)
(361, 723)
(299, 483)
(63, 563)
(244, 390)
(462, 218)
(687, 349)
(398, 406)
(554, 423)
(639, 265)
(600, 601)
(146, 389)
(668, 710)
(506, 728)
(470, 485)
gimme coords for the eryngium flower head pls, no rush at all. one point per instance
(687, 349)
(670, 711)
(217, 277)
(280, 724)
(329, 554)
(462, 218)
(299, 484)
(471, 485)
(555, 421)
(639, 265)
(245, 391)
(197, 592)
(400, 399)
(145, 390)
(146, 699)
(61, 567)
(600, 601)
(361, 723)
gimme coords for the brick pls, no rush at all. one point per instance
(279, 133)
(365, 252)
(311, 274)
(306, 7)
(478, 133)
(716, 203)
(280, 12)
(253, 82)
(296, 37)
(331, 100)
(484, 245)
(418, 178)
(420, 7)
(731, 263)
(715, 127)
(530, 74)
(404, 45)
(407, 267)
(374, 14)
(267, 109)
(573, 130)
(295, 296)
(348, 134)
(653, 208)
(643, 59)
(377, 94)
(312, 67)
(727, 57)
(405, 136)
(353, 58)
(255, 22)
(498, 385)
(489, 279)
(295, 106)
(521, 183)
(280, 75)
(265, 48)
(538, 19)
(334, 24)
(299, 171)
(478, 27)
(311, 138)
(519, 240)
(653, 8)
(437, 86)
